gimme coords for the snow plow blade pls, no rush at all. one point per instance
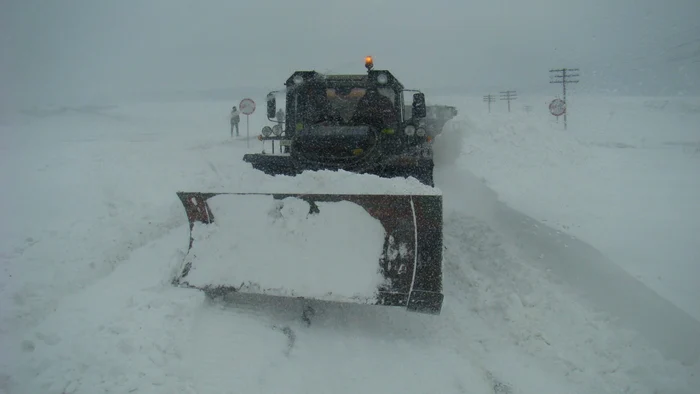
(358, 248)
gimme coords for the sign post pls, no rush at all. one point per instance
(557, 108)
(247, 107)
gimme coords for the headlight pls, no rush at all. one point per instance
(267, 131)
(298, 79)
(277, 130)
(420, 132)
(410, 130)
(382, 79)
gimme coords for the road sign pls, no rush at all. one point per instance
(247, 106)
(557, 107)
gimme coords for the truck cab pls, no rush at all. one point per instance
(352, 122)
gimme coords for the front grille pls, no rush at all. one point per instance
(334, 144)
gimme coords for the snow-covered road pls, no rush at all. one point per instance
(93, 233)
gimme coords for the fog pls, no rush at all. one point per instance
(88, 50)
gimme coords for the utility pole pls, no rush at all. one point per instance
(489, 98)
(509, 95)
(563, 76)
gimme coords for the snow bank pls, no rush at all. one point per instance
(122, 333)
(279, 248)
(623, 178)
(447, 146)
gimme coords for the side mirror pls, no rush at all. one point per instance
(271, 106)
(418, 110)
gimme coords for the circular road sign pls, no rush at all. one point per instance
(557, 107)
(247, 106)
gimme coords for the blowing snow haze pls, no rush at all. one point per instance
(83, 50)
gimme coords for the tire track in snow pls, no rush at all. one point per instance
(586, 271)
(519, 324)
(512, 293)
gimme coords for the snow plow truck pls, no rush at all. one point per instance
(377, 249)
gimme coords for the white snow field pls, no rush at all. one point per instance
(624, 177)
(571, 258)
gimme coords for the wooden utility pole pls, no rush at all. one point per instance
(489, 98)
(563, 76)
(509, 95)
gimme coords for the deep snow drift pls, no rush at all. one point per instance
(624, 177)
(94, 233)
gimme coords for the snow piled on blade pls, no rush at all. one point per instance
(278, 247)
(326, 182)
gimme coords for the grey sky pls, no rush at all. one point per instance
(81, 49)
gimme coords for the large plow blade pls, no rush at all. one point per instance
(359, 248)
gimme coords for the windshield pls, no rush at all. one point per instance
(348, 105)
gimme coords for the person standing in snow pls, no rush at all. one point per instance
(235, 119)
(280, 116)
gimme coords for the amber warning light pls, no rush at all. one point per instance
(369, 63)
